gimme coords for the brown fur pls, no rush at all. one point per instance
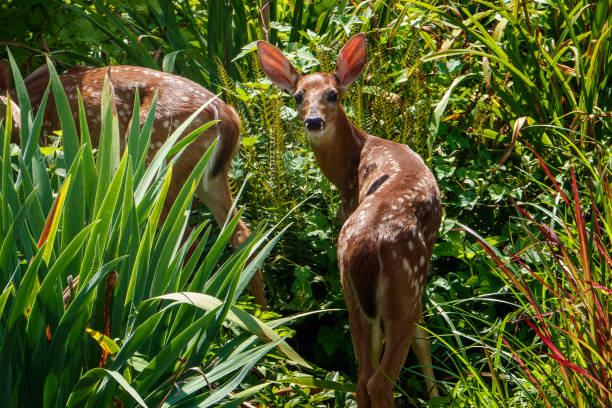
(391, 213)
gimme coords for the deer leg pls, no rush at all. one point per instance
(215, 193)
(362, 336)
(422, 349)
(398, 337)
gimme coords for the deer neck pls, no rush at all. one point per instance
(338, 153)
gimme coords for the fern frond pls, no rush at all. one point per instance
(226, 83)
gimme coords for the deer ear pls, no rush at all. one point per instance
(276, 66)
(351, 60)
(5, 76)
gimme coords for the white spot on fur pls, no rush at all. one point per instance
(410, 245)
(406, 265)
(422, 261)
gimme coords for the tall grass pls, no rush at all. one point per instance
(550, 342)
(560, 274)
(536, 63)
(144, 324)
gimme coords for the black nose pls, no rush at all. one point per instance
(315, 123)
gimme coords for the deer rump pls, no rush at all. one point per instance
(178, 98)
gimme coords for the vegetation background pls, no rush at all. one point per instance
(507, 101)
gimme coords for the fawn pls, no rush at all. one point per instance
(391, 214)
(178, 98)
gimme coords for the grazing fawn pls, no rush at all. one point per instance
(390, 212)
(178, 98)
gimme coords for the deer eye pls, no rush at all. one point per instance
(299, 98)
(332, 96)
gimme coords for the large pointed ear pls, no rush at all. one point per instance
(5, 76)
(276, 66)
(351, 60)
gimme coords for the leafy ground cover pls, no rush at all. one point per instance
(509, 102)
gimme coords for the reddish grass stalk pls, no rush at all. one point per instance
(577, 333)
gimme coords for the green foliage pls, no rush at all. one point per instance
(468, 85)
(143, 314)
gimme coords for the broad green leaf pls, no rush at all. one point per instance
(104, 215)
(48, 236)
(24, 292)
(167, 355)
(4, 296)
(87, 384)
(105, 342)
(69, 133)
(243, 361)
(239, 317)
(312, 382)
(90, 177)
(8, 242)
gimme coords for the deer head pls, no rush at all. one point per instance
(316, 95)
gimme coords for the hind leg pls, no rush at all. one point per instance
(422, 349)
(401, 311)
(398, 338)
(363, 336)
(215, 193)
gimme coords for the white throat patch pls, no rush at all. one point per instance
(323, 135)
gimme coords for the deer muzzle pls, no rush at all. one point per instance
(314, 123)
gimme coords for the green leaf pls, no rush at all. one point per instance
(168, 61)
(87, 384)
(69, 132)
(104, 341)
(245, 361)
(239, 317)
(312, 382)
(104, 215)
(439, 110)
(4, 296)
(53, 222)
(8, 242)
(167, 355)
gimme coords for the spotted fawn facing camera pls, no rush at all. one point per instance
(391, 214)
